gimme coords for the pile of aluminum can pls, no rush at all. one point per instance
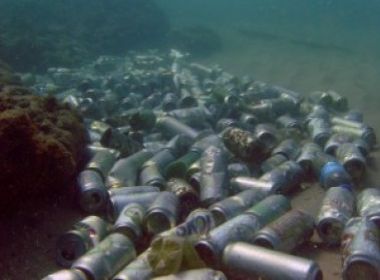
(183, 154)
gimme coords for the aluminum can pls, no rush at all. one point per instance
(336, 209)
(118, 202)
(287, 232)
(286, 177)
(199, 274)
(130, 221)
(287, 122)
(352, 159)
(241, 183)
(225, 123)
(163, 213)
(273, 162)
(317, 112)
(362, 146)
(366, 133)
(125, 171)
(92, 191)
(333, 174)
(150, 175)
(238, 169)
(319, 130)
(361, 250)
(354, 116)
(254, 261)
(368, 204)
(138, 269)
(123, 143)
(241, 227)
(340, 103)
(268, 135)
(309, 153)
(214, 176)
(244, 144)
(102, 161)
(132, 190)
(66, 274)
(197, 117)
(169, 102)
(288, 148)
(171, 127)
(263, 111)
(248, 121)
(344, 122)
(85, 235)
(334, 142)
(107, 258)
(235, 205)
(187, 195)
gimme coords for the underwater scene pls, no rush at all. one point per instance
(182, 140)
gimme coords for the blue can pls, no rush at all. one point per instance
(333, 174)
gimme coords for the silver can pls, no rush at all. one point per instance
(361, 250)
(132, 190)
(234, 205)
(102, 161)
(125, 171)
(255, 260)
(214, 176)
(287, 232)
(319, 130)
(172, 127)
(286, 177)
(352, 159)
(336, 209)
(238, 169)
(239, 184)
(85, 235)
(107, 258)
(138, 269)
(345, 122)
(272, 162)
(309, 153)
(198, 223)
(198, 274)
(163, 213)
(67, 274)
(241, 227)
(268, 135)
(366, 133)
(334, 142)
(130, 221)
(150, 175)
(118, 202)
(92, 191)
(288, 148)
(368, 204)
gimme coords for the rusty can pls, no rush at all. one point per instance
(361, 250)
(252, 260)
(336, 209)
(187, 195)
(85, 234)
(287, 232)
(368, 204)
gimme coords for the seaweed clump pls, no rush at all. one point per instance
(42, 144)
